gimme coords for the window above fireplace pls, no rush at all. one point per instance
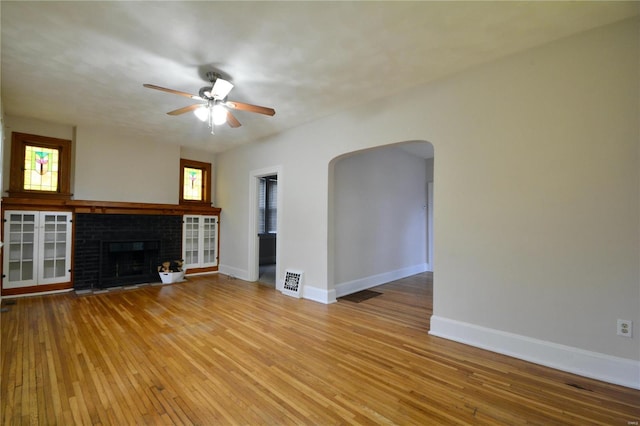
(40, 167)
(195, 182)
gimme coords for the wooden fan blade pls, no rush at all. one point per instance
(248, 107)
(232, 121)
(184, 109)
(175, 92)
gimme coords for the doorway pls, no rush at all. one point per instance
(369, 190)
(265, 225)
(267, 229)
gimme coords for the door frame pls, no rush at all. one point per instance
(253, 264)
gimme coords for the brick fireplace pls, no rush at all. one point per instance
(115, 243)
(121, 249)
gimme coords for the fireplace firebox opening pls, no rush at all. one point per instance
(128, 262)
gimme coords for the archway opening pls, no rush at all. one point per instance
(380, 215)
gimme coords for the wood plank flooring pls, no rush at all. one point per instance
(218, 351)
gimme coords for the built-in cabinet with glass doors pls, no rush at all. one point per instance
(200, 241)
(37, 248)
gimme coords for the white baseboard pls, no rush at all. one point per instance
(329, 296)
(611, 369)
(308, 292)
(187, 274)
(360, 284)
(234, 272)
(318, 294)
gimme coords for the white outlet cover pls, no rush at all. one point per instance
(625, 328)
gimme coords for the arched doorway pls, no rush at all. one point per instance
(380, 220)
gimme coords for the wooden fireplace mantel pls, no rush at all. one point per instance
(106, 207)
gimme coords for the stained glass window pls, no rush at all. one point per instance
(195, 182)
(192, 181)
(41, 167)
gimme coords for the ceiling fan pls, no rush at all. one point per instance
(216, 108)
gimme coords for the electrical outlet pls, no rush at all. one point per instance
(625, 328)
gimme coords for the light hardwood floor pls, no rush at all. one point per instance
(217, 351)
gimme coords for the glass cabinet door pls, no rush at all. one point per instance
(55, 237)
(20, 249)
(209, 240)
(190, 240)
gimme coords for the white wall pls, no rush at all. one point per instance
(379, 223)
(537, 201)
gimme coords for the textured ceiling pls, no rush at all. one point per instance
(84, 63)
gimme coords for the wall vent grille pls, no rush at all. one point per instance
(292, 285)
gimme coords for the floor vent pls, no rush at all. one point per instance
(292, 285)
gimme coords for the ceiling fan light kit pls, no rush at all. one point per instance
(216, 109)
(218, 114)
(202, 113)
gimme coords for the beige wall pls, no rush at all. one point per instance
(537, 200)
(537, 196)
(113, 167)
(206, 157)
(34, 127)
(110, 165)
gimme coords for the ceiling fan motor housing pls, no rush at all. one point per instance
(219, 88)
(212, 76)
(205, 92)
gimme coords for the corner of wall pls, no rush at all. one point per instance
(319, 295)
(342, 289)
(234, 272)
